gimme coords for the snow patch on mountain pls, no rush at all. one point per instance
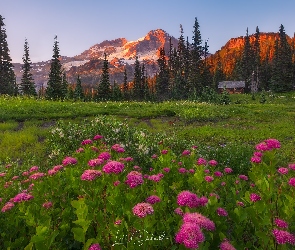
(69, 65)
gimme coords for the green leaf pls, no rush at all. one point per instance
(29, 246)
(79, 234)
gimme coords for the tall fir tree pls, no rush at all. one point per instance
(54, 90)
(257, 58)
(265, 72)
(246, 66)
(162, 79)
(64, 85)
(78, 92)
(104, 87)
(137, 82)
(7, 76)
(282, 74)
(116, 92)
(219, 75)
(125, 86)
(27, 85)
(197, 52)
(207, 78)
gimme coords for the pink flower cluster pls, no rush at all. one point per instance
(153, 199)
(283, 237)
(212, 163)
(225, 245)
(187, 198)
(86, 142)
(95, 162)
(228, 170)
(255, 197)
(281, 223)
(97, 137)
(36, 176)
(190, 233)
(47, 204)
(134, 179)
(243, 177)
(186, 152)
(90, 175)
(95, 246)
(69, 161)
(34, 169)
(118, 148)
(156, 177)
(268, 144)
(143, 209)
(104, 156)
(221, 212)
(201, 161)
(292, 182)
(283, 170)
(8, 206)
(22, 197)
(114, 167)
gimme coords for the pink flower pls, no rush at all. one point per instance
(218, 174)
(118, 148)
(2, 174)
(164, 152)
(223, 183)
(95, 149)
(203, 201)
(225, 245)
(9, 205)
(90, 175)
(179, 211)
(200, 220)
(272, 143)
(186, 152)
(58, 167)
(192, 171)
(52, 172)
(207, 171)
(69, 161)
(80, 150)
(228, 170)
(134, 179)
(128, 159)
(256, 159)
(241, 204)
(257, 154)
(154, 156)
(209, 178)
(281, 223)
(15, 177)
(87, 141)
(47, 204)
(190, 235)
(143, 209)
(118, 222)
(255, 197)
(104, 156)
(155, 177)
(182, 170)
(243, 177)
(153, 199)
(283, 170)
(221, 212)
(116, 183)
(95, 246)
(97, 137)
(22, 197)
(36, 176)
(113, 167)
(34, 169)
(167, 170)
(283, 237)
(292, 166)
(186, 198)
(95, 162)
(201, 161)
(292, 182)
(212, 163)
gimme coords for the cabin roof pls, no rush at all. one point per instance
(231, 84)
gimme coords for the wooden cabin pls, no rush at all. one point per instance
(232, 87)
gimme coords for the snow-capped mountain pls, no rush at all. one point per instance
(120, 52)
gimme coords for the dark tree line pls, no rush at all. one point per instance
(184, 72)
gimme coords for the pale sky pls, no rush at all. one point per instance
(80, 24)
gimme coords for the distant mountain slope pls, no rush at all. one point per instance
(120, 53)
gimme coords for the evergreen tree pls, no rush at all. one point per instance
(117, 94)
(246, 66)
(125, 86)
(54, 88)
(64, 86)
(78, 92)
(144, 83)
(197, 51)
(282, 80)
(162, 80)
(7, 76)
(207, 79)
(137, 82)
(104, 88)
(257, 59)
(265, 73)
(219, 75)
(27, 85)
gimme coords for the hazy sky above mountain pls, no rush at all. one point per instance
(80, 24)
